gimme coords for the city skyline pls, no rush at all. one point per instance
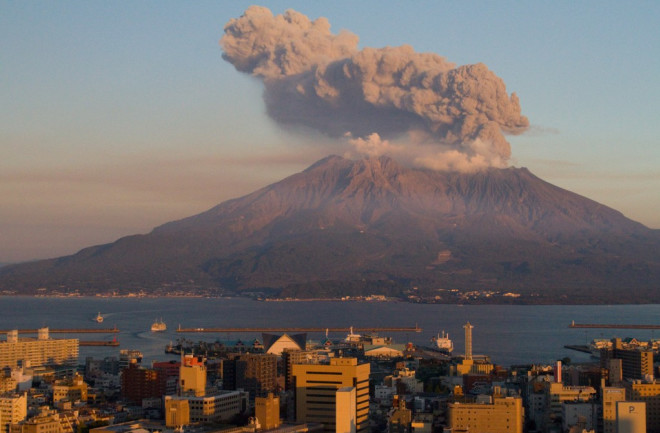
(118, 118)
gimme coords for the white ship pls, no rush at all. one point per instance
(443, 342)
(351, 337)
(158, 326)
(98, 318)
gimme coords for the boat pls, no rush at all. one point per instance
(98, 318)
(158, 326)
(443, 343)
(351, 337)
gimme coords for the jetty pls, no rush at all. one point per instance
(611, 326)
(292, 330)
(578, 347)
(67, 331)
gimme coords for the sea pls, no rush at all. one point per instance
(509, 334)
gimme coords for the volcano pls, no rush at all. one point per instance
(371, 226)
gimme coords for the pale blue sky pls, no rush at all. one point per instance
(116, 117)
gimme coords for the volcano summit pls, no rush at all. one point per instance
(346, 227)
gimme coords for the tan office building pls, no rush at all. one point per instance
(503, 415)
(611, 396)
(192, 376)
(316, 387)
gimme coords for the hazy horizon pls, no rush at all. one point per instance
(121, 117)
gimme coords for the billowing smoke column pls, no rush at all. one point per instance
(416, 106)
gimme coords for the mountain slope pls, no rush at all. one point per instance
(345, 226)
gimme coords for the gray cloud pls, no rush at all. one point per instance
(320, 80)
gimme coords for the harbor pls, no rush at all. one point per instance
(302, 329)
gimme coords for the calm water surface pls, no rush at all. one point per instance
(509, 334)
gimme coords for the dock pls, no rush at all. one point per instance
(578, 347)
(292, 330)
(68, 331)
(611, 326)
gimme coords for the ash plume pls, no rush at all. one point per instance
(415, 106)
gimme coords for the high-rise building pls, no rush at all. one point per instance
(192, 376)
(635, 363)
(502, 415)
(257, 374)
(292, 357)
(316, 391)
(37, 352)
(610, 397)
(468, 340)
(345, 410)
(138, 383)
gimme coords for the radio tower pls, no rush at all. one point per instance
(468, 340)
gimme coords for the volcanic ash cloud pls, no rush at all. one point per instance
(435, 114)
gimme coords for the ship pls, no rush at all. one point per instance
(351, 337)
(443, 343)
(98, 318)
(158, 326)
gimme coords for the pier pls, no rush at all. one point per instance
(611, 326)
(292, 330)
(68, 331)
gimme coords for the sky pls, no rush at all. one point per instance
(116, 117)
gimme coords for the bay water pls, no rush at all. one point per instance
(509, 334)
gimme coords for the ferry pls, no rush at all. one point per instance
(443, 342)
(98, 318)
(158, 326)
(351, 337)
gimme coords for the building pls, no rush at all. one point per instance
(648, 393)
(220, 407)
(13, 409)
(43, 350)
(636, 363)
(557, 394)
(139, 383)
(170, 371)
(631, 417)
(256, 374)
(316, 395)
(267, 411)
(584, 415)
(610, 397)
(192, 376)
(47, 421)
(400, 420)
(276, 344)
(292, 357)
(500, 415)
(74, 389)
(177, 412)
(345, 410)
